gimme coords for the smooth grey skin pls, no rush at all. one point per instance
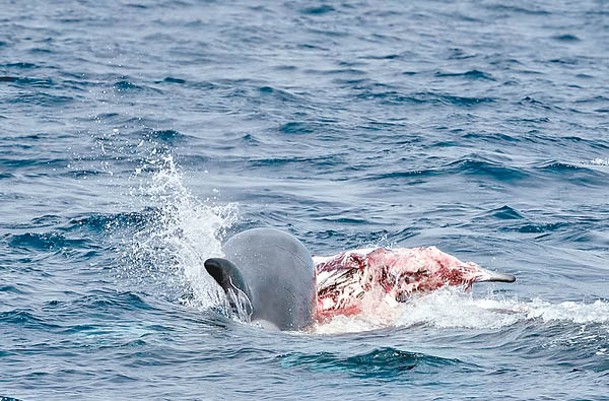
(274, 270)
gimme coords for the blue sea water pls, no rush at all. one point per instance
(136, 135)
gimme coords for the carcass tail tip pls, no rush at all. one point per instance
(497, 277)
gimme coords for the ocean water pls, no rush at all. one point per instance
(136, 136)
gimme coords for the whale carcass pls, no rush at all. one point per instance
(346, 280)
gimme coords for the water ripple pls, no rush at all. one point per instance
(382, 363)
(47, 242)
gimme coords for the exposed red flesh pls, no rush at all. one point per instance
(345, 281)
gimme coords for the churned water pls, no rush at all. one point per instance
(136, 135)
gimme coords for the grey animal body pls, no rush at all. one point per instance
(274, 271)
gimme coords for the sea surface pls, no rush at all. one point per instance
(136, 136)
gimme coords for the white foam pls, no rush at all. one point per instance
(576, 312)
(598, 162)
(453, 308)
(184, 232)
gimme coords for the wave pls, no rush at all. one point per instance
(472, 165)
(380, 363)
(560, 167)
(97, 303)
(470, 74)
(42, 99)
(394, 97)
(582, 174)
(505, 213)
(599, 162)
(47, 242)
(479, 166)
(25, 320)
(107, 222)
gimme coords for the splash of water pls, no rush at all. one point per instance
(181, 233)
